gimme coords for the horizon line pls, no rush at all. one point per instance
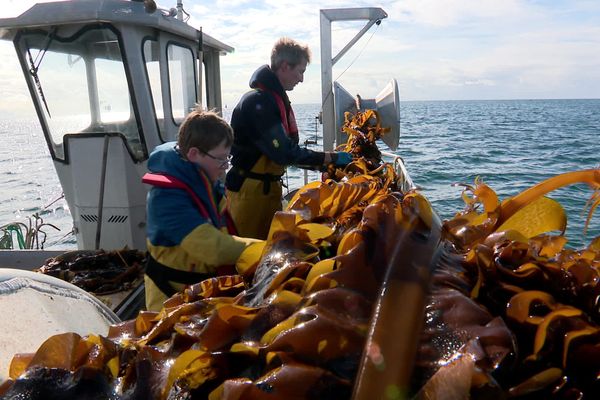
(513, 99)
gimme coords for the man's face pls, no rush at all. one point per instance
(291, 76)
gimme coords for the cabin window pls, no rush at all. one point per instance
(63, 94)
(114, 104)
(81, 86)
(152, 61)
(182, 82)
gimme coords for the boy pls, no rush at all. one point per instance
(190, 235)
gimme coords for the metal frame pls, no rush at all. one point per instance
(373, 15)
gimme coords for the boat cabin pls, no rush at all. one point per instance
(110, 80)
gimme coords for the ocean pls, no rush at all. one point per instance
(510, 144)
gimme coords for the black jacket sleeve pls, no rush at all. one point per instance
(262, 118)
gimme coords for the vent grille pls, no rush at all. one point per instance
(118, 219)
(89, 217)
(115, 219)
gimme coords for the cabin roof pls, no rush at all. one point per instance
(111, 11)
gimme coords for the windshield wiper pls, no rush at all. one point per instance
(33, 68)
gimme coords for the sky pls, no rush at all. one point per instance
(435, 49)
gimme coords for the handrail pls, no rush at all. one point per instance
(406, 181)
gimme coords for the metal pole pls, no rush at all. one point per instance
(101, 194)
(326, 84)
(180, 10)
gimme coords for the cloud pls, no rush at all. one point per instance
(453, 12)
(450, 49)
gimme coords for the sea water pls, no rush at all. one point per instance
(510, 144)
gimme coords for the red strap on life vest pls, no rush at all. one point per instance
(167, 181)
(288, 119)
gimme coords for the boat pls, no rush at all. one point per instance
(112, 79)
(122, 102)
(154, 60)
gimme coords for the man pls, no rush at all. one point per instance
(190, 235)
(266, 141)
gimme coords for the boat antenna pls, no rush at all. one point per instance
(150, 7)
(181, 11)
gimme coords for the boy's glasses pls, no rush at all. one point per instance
(224, 162)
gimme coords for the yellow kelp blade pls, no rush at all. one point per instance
(284, 325)
(19, 363)
(422, 207)
(330, 198)
(549, 246)
(572, 336)
(543, 328)
(486, 196)
(249, 348)
(113, 366)
(521, 306)
(479, 194)
(303, 189)
(64, 351)
(595, 245)
(248, 260)
(322, 267)
(194, 366)
(536, 382)
(593, 202)
(541, 216)
(283, 222)
(349, 241)
(316, 232)
(285, 298)
(512, 205)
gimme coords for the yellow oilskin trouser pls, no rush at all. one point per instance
(203, 250)
(251, 209)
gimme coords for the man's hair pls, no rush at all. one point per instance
(290, 51)
(204, 130)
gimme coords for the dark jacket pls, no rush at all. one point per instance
(258, 129)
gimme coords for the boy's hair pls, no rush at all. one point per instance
(204, 130)
(290, 51)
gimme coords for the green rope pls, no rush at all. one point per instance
(7, 237)
(32, 232)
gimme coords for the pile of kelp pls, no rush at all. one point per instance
(98, 272)
(293, 324)
(519, 316)
(361, 292)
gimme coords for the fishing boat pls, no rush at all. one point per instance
(112, 79)
(401, 295)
